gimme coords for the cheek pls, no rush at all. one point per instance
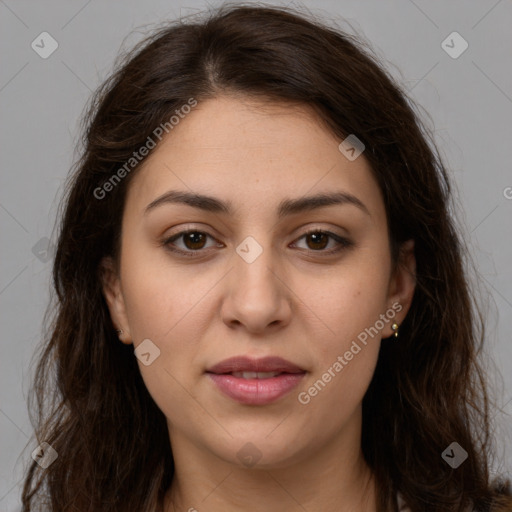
(159, 296)
(346, 356)
(348, 303)
(168, 305)
(162, 303)
(346, 353)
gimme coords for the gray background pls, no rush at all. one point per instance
(469, 100)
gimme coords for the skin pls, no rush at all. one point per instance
(293, 301)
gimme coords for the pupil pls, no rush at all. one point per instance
(193, 239)
(316, 236)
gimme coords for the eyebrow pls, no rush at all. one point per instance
(285, 208)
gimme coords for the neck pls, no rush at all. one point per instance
(331, 478)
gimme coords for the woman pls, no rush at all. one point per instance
(262, 301)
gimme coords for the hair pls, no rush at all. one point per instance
(428, 390)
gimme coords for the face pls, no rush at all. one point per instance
(257, 271)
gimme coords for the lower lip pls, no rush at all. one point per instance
(256, 391)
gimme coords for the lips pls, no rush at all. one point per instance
(255, 381)
(255, 375)
(263, 365)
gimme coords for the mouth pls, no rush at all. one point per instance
(262, 366)
(255, 381)
(254, 375)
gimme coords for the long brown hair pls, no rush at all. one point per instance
(428, 390)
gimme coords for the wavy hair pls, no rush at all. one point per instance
(428, 390)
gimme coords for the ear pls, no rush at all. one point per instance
(111, 285)
(402, 285)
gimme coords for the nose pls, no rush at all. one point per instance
(256, 296)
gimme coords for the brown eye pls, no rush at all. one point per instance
(191, 242)
(194, 240)
(194, 243)
(318, 240)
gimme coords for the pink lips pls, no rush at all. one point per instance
(255, 391)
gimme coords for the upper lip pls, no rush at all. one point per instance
(246, 364)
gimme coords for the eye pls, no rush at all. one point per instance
(317, 240)
(193, 241)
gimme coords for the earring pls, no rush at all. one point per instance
(395, 329)
(119, 332)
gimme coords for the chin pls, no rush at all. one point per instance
(258, 450)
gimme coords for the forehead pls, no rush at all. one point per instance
(247, 150)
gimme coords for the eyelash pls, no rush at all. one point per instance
(344, 243)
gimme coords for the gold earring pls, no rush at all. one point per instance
(395, 329)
